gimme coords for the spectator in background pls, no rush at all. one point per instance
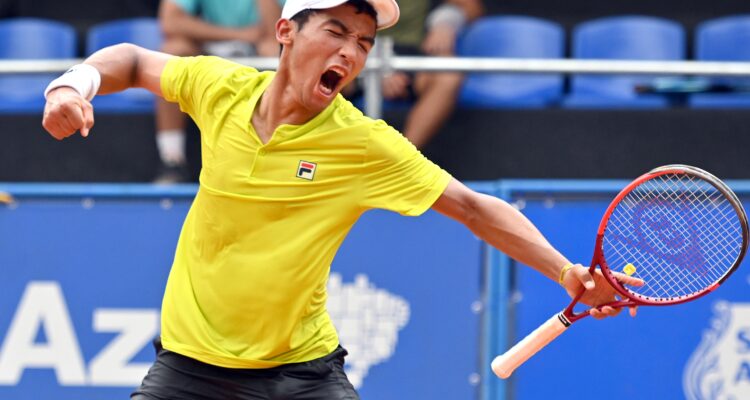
(226, 28)
(421, 33)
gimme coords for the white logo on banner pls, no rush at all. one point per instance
(719, 369)
(368, 320)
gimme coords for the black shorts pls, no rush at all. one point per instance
(174, 376)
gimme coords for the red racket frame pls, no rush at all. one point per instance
(629, 299)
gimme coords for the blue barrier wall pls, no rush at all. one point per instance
(419, 302)
(698, 350)
(82, 270)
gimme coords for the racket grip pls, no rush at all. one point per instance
(504, 365)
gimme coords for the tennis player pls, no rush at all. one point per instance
(288, 168)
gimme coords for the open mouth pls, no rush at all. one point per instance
(329, 81)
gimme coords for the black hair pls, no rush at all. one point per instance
(362, 6)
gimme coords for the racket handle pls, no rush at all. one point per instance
(504, 365)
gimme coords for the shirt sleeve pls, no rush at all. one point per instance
(190, 81)
(397, 176)
(189, 6)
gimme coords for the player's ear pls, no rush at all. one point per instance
(285, 31)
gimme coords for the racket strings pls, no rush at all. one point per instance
(679, 232)
(669, 269)
(698, 197)
(693, 196)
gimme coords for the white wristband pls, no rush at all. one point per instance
(83, 78)
(447, 14)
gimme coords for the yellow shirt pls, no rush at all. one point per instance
(248, 285)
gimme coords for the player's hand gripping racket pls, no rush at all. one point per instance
(679, 228)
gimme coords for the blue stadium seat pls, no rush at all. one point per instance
(144, 32)
(624, 37)
(511, 37)
(723, 39)
(31, 38)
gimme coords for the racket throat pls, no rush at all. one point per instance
(563, 319)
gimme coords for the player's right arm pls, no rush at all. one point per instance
(508, 230)
(120, 67)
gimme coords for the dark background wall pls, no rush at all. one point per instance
(473, 145)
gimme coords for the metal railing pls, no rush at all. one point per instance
(383, 60)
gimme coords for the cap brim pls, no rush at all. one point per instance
(388, 12)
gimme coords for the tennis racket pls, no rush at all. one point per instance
(679, 228)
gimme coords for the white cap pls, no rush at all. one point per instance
(387, 10)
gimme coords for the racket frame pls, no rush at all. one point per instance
(630, 299)
(665, 170)
(504, 364)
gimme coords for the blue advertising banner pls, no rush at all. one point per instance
(82, 279)
(83, 268)
(419, 303)
(424, 320)
(696, 351)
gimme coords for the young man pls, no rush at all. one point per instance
(288, 167)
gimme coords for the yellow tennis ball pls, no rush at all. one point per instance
(629, 269)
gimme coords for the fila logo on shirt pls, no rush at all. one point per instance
(306, 170)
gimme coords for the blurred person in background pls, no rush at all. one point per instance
(433, 33)
(226, 28)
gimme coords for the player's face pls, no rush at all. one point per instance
(329, 52)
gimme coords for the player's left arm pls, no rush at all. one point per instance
(507, 229)
(502, 226)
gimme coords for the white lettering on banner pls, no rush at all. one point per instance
(368, 321)
(720, 367)
(43, 306)
(744, 373)
(744, 341)
(137, 327)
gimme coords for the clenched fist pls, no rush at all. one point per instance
(67, 112)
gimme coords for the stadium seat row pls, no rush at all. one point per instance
(34, 39)
(622, 37)
(612, 38)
